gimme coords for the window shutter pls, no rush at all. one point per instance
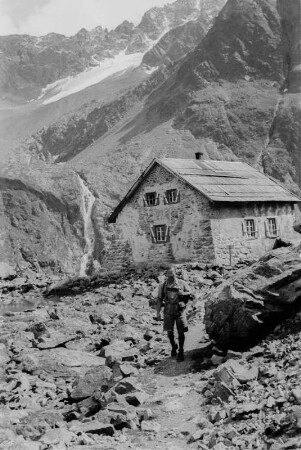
(256, 228)
(266, 227)
(153, 235)
(167, 233)
(144, 201)
(157, 198)
(277, 226)
(244, 228)
(178, 196)
(165, 199)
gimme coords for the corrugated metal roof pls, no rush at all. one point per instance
(219, 181)
(228, 181)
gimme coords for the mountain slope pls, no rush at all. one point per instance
(225, 89)
(228, 97)
(281, 156)
(29, 64)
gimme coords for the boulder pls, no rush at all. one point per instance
(137, 398)
(59, 361)
(127, 370)
(150, 426)
(94, 427)
(239, 370)
(34, 425)
(96, 379)
(115, 350)
(9, 440)
(57, 436)
(6, 271)
(247, 307)
(127, 386)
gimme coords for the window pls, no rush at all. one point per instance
(271, 227)
(250, 228)
(160, 233)
(151, 199)
(171, 196)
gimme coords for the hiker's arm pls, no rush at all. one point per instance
(185, 295)
(160, 300)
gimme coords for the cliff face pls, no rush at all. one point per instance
(227, 88)
(282, 157)
(290, 13)
(42, 221)
(175, 44)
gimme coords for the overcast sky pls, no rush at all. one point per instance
(39, 17)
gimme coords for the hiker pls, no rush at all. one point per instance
(174, 294)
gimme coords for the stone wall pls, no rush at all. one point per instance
(190, 236)
(227, 229)
(199, 230)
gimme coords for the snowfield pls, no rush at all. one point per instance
(70, 85)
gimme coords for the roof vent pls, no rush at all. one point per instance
(198, 155)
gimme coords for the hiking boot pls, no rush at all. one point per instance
(180, 356)
(174, 351)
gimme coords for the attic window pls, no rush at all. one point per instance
(250, 228)
(151, 199)
(172, 196)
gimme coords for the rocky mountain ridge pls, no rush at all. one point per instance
(31, 63)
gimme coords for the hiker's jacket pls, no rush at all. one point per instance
(171, 296)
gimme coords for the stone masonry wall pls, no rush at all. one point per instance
(227, 229)
(189, 222)
(199, 230)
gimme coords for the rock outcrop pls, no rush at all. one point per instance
(250, 304)
(285, 133)
(43, 221)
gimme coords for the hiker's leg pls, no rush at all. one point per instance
(169, 323)
(182, 327)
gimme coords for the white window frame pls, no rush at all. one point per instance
(246, 230)
(165, 236)
(272, 233)
(175, 198)
(146, 199)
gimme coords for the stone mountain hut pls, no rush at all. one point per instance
(200, 210)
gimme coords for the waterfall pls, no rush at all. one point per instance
(88, 200)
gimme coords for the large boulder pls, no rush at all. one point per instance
(59, 362)
(248, 306)
(98, 378)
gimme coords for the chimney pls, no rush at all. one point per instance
(198, 155)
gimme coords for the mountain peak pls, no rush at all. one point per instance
(244, 41)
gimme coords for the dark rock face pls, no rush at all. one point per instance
(248, 306)
(285, 134)
(43, 222)
(290, 13)
(226, 89)
(245, 41)
(175, 44)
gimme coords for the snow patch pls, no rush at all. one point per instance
(70, 85)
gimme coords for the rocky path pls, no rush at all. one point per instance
(93, 371)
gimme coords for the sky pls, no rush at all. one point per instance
(39, 17)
